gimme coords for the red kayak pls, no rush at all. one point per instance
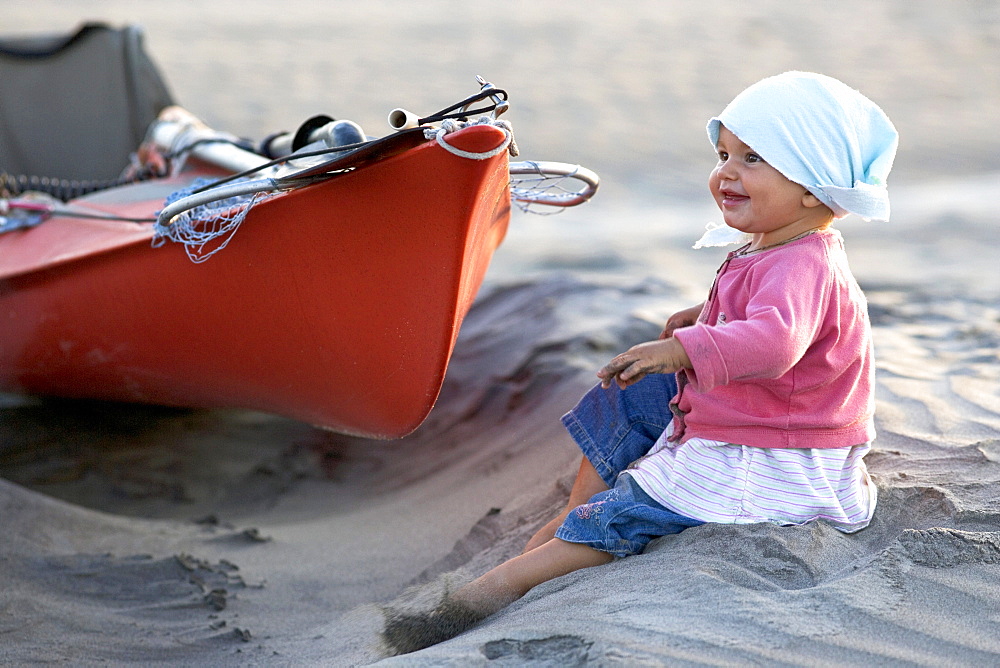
(335, 299)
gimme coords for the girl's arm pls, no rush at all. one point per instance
(775, 313)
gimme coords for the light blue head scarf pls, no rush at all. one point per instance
(821, 134)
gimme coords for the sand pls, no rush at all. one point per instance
(138, 535)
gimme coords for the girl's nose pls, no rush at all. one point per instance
(726, 170)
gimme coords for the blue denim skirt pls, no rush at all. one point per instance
(622, 520)
(614, 428)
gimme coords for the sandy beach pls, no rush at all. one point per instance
(141, 535)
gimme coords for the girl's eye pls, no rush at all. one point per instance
(754, 158)
(723, 156)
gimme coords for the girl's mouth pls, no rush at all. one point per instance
(731, 198)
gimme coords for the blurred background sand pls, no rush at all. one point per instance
(624, 88)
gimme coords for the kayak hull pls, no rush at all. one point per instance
(337, 303)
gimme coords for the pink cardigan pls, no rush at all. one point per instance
(782, 352)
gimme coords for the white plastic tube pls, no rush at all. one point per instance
(401, 119)
(176, 129)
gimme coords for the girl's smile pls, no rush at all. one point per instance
(732, 198)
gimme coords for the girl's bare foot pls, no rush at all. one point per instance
(407, 632)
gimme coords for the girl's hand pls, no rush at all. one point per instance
(661, 356)
(684, 318)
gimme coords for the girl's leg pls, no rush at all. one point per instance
(613, 428)
(406, 632)
(514, 578)
(588, 483)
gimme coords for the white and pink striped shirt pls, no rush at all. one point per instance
(736, 484)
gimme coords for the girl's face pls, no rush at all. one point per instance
(756, 198)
